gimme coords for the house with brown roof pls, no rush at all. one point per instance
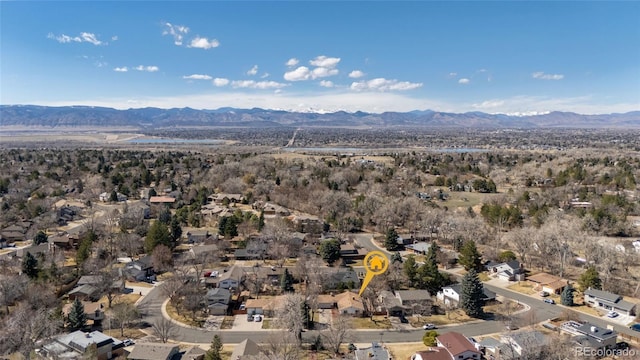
(547, 282)
(162, 200)
(264, 306)
(245, 350)
(350, 303)
(458, 346)
(154, 351)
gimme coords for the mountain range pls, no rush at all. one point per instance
(145, 118)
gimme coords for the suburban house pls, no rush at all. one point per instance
(274, 209)
(415, 301)
(307, 223)
(94, 311)
(154, 351)
(266, 307)
(271, 275)
(522, 343)
(595, 337)
(140, 210)
(495, 349)
(162, 200)
(375, 352)
(458, 346)
(510, 270)
(547, 282)
(193, 353)
(64, 240)
(197, 236)
(350, 303)
(201, 251)
(34, 250)
(254, 253)
(13, 233)
(391, 304)
(609, 301)
(336, 276)
(106, 197)
(86, 289)
(247, 348)
(350, 253)
(231, 278)
(226, 198)
(419, 247)
(450, 295)
(78, 343)
(140, 270)
(218, 301)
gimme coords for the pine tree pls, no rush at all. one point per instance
(261, 221)
(157, 234)
(307, 323)
(30, 266)
(391, 240)
(396, 257)
(590, 279)
(40, 238)
(286, 281)
(471, 295)
(215, 350)
(567, 295)
(176, 230)
(77, 318)
(411, 270)
(470, 258)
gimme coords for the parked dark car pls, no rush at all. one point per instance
(635, 327)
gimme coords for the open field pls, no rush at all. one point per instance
(378, 322)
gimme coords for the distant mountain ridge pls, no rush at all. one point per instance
(87, 116)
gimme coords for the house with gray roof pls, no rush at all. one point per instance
(245, 350)
(415, 301)
(522, 343)
(595, 336)
(78, 343)
(421, 247)
(218, 301)
(154, 351)
(608, 301)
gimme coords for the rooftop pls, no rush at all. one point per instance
(455, 343)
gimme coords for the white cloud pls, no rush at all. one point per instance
(265, 75)
(324, 61)
(150, 68)
(382, 84)
(121, 69)
(355, 74)
(84, 37)
(541, 75)
(253, 70)
(292, 62)
(453, 74)
(320, 72)
(250, 84)
(219, 82)
(197, 77)
(464, 81)
(177, 31)
(299, 74)
(326, 83)
(204, 43)
(114, 38)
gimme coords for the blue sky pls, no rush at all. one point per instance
(496, 57)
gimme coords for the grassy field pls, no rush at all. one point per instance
(483, 276)
(455, 317)
(227, 322)
(403, 351)
(379, 322)
(129, 333)
(522, 287)
(173, 313)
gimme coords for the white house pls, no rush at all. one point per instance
(450, 295)
(609, 301)
(231, 279)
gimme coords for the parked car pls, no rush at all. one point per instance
(612, 314)
(622, 345)
(404, 320)
(257, 318)
(128, 342)
(549, 301)
(544, 293)
(635, 327)
(428, 326)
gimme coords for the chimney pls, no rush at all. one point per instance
(594, 329)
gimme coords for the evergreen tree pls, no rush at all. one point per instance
(40, 238)
(307, 322)
(391, 240)
(330, 250)
(470, 258)
(176, 230)
(30, 266)
(286, 281)
(471, 295)
(77, 319)
(567, 295)
(590, 279)
(411, 270)
(165, 215)
(429, 338)
(396, 257)
(215, 350)
(157, 234)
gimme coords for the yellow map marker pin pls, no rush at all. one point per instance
(376, 263)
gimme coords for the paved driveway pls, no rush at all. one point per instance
(240, 323)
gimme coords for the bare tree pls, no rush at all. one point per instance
(25, 328)
(162, 258)
(172, 288)
(11, 289)
(164, 329)
(281, 345)
(339, 332)
(124, 313)
(290, 315)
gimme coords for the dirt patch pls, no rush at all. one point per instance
(405, 350)
(456, 316)
(522, 287)
(378, 322)
(129, 333)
